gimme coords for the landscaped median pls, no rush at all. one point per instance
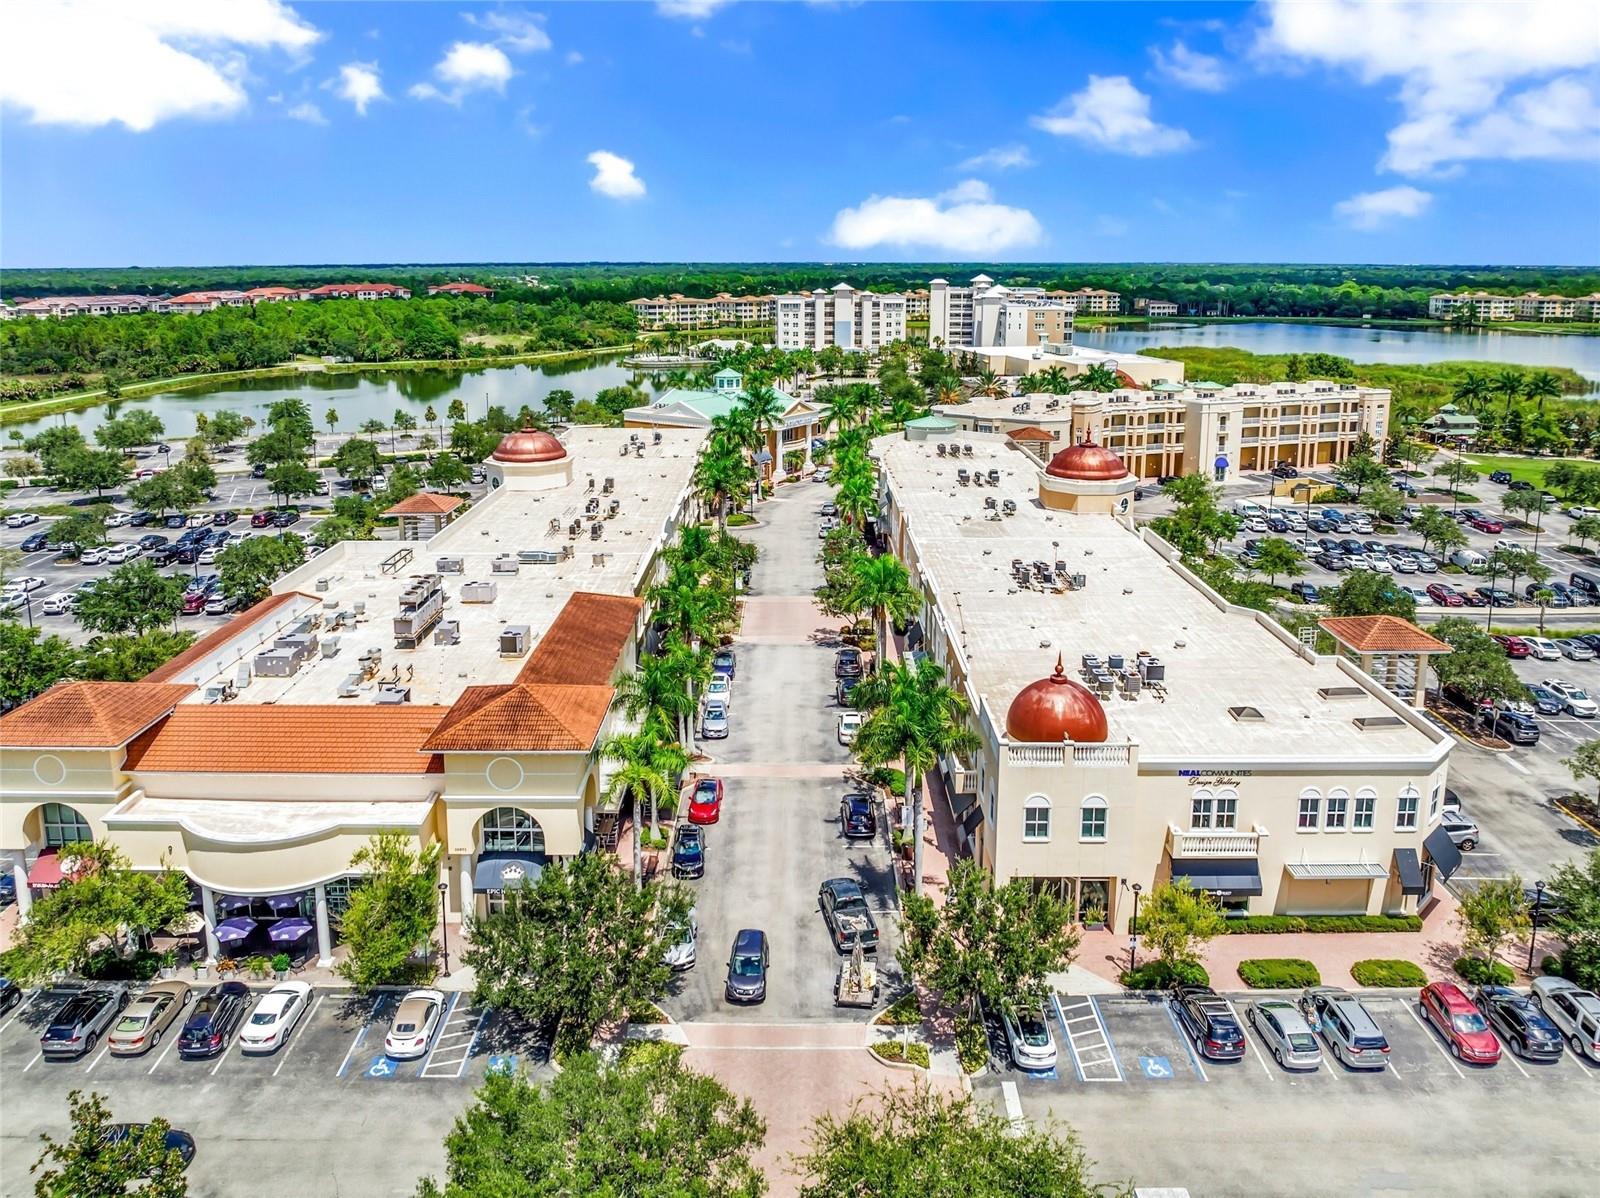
(1279, 973)
(1388, 973)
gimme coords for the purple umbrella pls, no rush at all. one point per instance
(287, 931)
(233, 902)
(230, 931)
(281, 903)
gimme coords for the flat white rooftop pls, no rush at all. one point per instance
(1073, 354)
(1133, 600)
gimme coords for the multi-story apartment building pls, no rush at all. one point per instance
(1533, 306)
(207, 301)
(360, 291)
(1199, 427)
(477, 289)
(917, 304)
(842, 316)
(1091, 300)
(1134, 727)
(59, 307)
(453, 690)
(1484, 305)
(985, 313)
(1154, 307)
(1587, 307)
(689, 312)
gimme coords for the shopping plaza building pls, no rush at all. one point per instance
(1135, 727)
(1175, 428)
(453, 690)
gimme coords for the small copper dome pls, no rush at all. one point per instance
(1086, 462)
(529, 445)
(1056, 708)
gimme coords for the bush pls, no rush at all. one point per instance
(903, 1012)
(108, 965)
(893, 1050)
(1379, 971)
(1282, 924)
(740, 519)
(972, 1045)
(1158, 975)
(1481, 971)
(647, 1052)
(1279, 973)
(1550, 966)
(917, 1054)
(649, 1013)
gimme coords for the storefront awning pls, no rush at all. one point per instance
(502, 871)
(46, 870)
(1443, 852)
(1410, 871)
(1328, 871)
(1219, 875)
(972, 820)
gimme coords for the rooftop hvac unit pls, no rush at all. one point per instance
(450, 565)
(330, 646)
(1079, 581)
(539, 557)
(359, 607)
(596, 531)
(590, 487)
(241, 676)
(1152, 669)
(613, 508)
(941, 449)
(592, 507)
(276, 663)
(963, 476)
(994, 478)
(372, 654)
(482, 591)
(330, 604)
(448, 633)
(655, 438)
(504, 564)
(514, 640)
(608, 486)
(390, 693)
(350, 687)
(322, 585)
(567, 551)
(990, 502)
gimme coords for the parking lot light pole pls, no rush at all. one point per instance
(1133, 934)
(444, 928)
(1533, 934)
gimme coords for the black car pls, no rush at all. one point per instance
(224, 517)
(177, 1141)
(76, 1028)
(1318, 524)
(176, 520)
(285, 517)
(1500, 476)
(723, 661)
(1210, 1022)
(1351, 545)
(1517, 727)
(1496, 596)
(1520, 484)
(1307, 592)
(1285, 470)
(142, 519)
(1522, 1025)
(845, 911)
(215, 1016)
(689, 851)
(152, 540)
(187, 555)
(1277, 524)
(10, 994)
(747, 967)
(35, 543)
(857, 819)
(844, 690)
(163, 555)
(259, 470)
(847, 663)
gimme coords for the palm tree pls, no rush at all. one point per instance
(657, 690)
(1098, 377)
(1509, 384)
(1540, 386)
(990, 385)
(856, 495)
(912, 717)
(882, 585)
(1054, 380)
(1472, 392)
(719, 475)
(640, 776)
(840, 406)
(694, 611)
(763, 409)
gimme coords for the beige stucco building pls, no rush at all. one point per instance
(1135, 727)
(453, 689)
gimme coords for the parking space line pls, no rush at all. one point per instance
(1517, 765)
(283, 1053)
(1066, 1030)
(1508, 1055)
(1013, 1102)
(163, 1054)
(103, 1053)
(1105, 1030)
(1433, 1039)
(1245, 1032)
(360, 1036)
(472, 1046)
(16, 1015)
(1183, 1036)
(36, 1058)
(444, 1030)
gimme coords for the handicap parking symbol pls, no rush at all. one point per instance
(506, 1065)
(382, 1067)
(1156, 1066)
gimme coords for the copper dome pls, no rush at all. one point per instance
(1056, 708)
(529, 445)
(1086, 462)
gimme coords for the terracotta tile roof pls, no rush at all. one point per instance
(254, 738)
(220, 636)
(425, 503)
(522, 717)
(585, 642)
(1381, 634)
(89, 715)
(1031, 432)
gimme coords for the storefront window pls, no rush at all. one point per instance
(1094, 900)
(507, 830)
(63, 825)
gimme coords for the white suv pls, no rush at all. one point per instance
(1574, 1010)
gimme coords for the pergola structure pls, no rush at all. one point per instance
(1393, 651)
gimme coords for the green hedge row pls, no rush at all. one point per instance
(1158, 975)
(1481, 971)
(1324, 923)
(1380, 972)
(1279, 973)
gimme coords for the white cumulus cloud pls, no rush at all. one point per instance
(1190, 68)
(519, 32)
(1376, 209)
(1113, 114)
(690, 10)
(359, 83)
(466, 67)
(1000, 158)
(102, 62)
(614, 177)
(964, 220)
(1478, 79)
(308, 112)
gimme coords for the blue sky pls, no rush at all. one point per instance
(265, 132)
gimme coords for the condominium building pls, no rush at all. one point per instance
(477, 289)
(360, 291)
(986, 313)
(1091, 300)
(276, 295)
(790, 439)
(1587, 307)
(452, 690)
(690, 312)
(59, 307)
(1533, 306)
(1155, 307)
(1483, 305)
(842, 316)
(1201, 427)
(207, 301)
(917, 304)
(1135, 728)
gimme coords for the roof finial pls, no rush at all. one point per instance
(1061, 671)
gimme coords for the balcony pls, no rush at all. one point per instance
(963, 778)
(1213, 842)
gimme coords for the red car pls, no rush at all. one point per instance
(1484, 524)
(1461, 1024)
(262, 518)
(705, 804)
(1445, 596)
(1514, 646)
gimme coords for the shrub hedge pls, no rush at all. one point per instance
(903, 1012)
(1481, 971)
(1158, 975)
(972, 1045)
(1281, 924)
(1279, 973)
(1379, 971)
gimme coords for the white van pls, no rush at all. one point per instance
(1245, 507)
(1470, 560)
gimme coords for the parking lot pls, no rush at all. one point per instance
(309, 1110)
(1425, 1123)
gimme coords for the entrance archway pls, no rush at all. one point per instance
(510, 854)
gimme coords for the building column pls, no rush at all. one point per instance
(810, 433)
(19, 875)
(208, 909)
(464, 884)
(324, 939)
(775, 447)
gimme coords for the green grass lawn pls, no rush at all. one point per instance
(1530, 469)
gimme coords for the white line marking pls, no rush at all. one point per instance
(434, 1047)
(482, 1019)
(1243, 1031)
(168, 1048)
(283, 1054)
(360, 1036)
(1518, 766)
(1433, 1039)
(222, 1055)
(36, 1058)
(103, 1053)
(1013, 1106)
(1508, 1055)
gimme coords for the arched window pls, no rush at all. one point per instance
(63, 825)
(1366, 805)
(1202, 809)
(1310, 808)
(1227, 805)
(1036, 818)
(1405, 816)
(1092, 819)
(507, 830)
(1338, 817)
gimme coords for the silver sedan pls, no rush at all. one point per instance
(1286, 1034)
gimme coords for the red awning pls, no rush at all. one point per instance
(46, 871)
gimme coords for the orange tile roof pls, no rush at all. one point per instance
(425, 503)
(522, 717)
(1381, 634)
(227, 632)
(88, 715)
(255, 738)
(1030, 432)
(585, 642)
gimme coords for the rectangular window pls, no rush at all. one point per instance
(1036, 823)
(1406, 816)
(1094, 824)
(1227, 813)
(1308, 813)
(1200, 812)
(1365, 805)
(1338, 807)
(1433, 804)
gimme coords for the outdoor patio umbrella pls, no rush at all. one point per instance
(284, 903)
(234, 902)
(232, 931)
(287, 931)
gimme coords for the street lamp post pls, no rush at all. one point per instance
(1533, 934)
(444, 928)
(1133, 935)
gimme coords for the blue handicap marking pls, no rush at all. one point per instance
(1042, 1075)
(1156, 1066)
(381, 1067)
(505, 1064)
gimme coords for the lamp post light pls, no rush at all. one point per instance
(1533, 934)
(1133, 935)
(444, 928)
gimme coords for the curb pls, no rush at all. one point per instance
(903, 1066)
(1573, 815)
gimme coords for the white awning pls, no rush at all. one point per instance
(1327, 870)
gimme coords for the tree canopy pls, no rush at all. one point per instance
(90, 1163)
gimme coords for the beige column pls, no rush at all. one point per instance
(19, 875)
(208, 910)
(324, 937)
